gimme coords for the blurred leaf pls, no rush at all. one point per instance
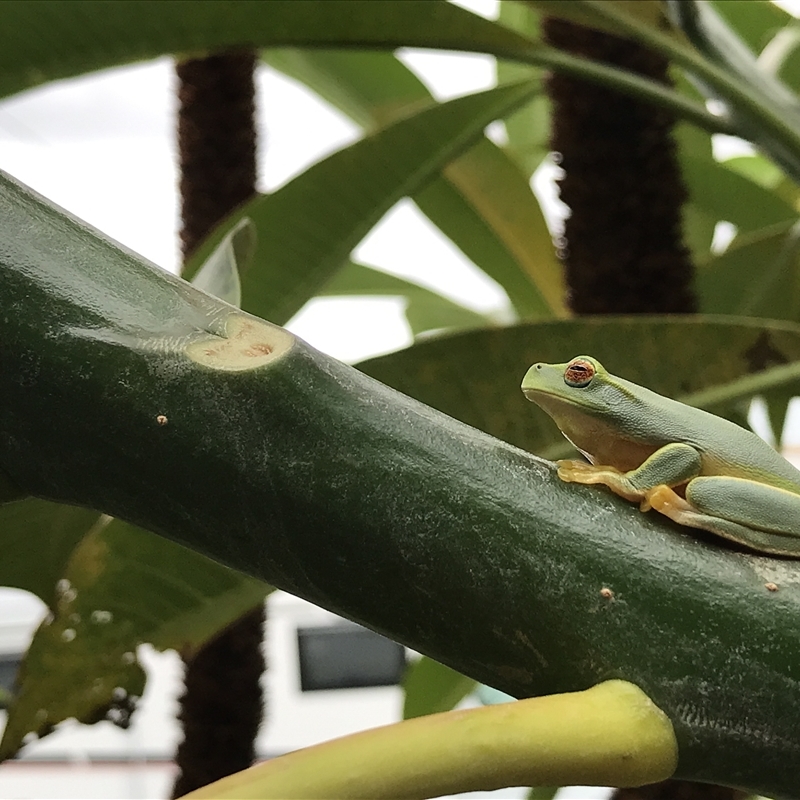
(51, 531)
(529, 128)
(698, 230)
(426, 310)
(501, 194)
(699, 224)
(219, 275)
(54, 39)
(722, 44)
(756, 276)
(727, 195)
(475, 376)
(648, 12)
(118, 586)
(307, 228)
(374, 89)
(757, 169)
(431, 687)
(755, 21)
(542, 793)
(761, 107)
(777, 408)
(765, 173)
(482, 200)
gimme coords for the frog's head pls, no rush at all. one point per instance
(581, 386)
(603, 416)
(574, 381)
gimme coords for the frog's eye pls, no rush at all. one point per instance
(579, 373)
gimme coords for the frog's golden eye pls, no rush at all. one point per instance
(579, 373)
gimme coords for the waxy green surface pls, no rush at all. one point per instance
(308, 474)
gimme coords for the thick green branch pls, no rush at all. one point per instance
(126, 390)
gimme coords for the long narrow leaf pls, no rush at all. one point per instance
(54, 39)
(307, 229)
(482, 201)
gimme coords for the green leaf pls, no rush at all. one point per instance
(49, 530)
(219, 274)
(763, 109)
(731, 283)
(757, 169)
(117, 587)
(755, 21)
(542, 793)
(647, 12)
(475, 376)
(61, 38)
(482, 200)
(374, 89)
(500, 192)
(307, 228)
(777, 409)
(425, 311)
(698, 224)
(728, 195)
(528, 129)
(431, 687)
(58, 39)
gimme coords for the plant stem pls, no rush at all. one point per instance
(610, 735)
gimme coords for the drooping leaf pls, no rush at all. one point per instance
(220, 273)
(431, 687)
(475, 376)
(755, 21)
(110, 587)
(528, 130)
(482, 200)
(307, 228)
(373, 88)
(761, 107)
(60, 38)
(728, 195)
(757, 275)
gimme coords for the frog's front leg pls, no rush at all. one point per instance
(669, 466)
(763, 517)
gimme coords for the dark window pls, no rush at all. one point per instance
(347, 656)
(9, 664)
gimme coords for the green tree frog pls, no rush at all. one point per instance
(696, 468)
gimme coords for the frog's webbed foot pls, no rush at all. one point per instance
(581, 472)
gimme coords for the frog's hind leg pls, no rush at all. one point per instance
(762, 517)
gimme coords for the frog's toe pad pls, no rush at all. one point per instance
(666, 501)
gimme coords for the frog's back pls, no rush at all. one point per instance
(726, 448)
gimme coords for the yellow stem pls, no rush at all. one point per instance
(610, 735)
